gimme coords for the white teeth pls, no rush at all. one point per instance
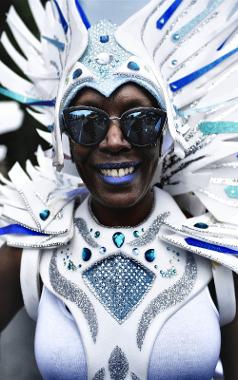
(117, 172)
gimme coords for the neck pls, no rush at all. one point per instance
(123, 217)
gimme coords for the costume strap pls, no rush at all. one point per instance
(225, 292)
(30, 281)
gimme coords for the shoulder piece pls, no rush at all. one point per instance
(206, 237)
(37, 205)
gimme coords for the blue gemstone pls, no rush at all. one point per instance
(133, 66)
(201, 225)
(104, 39)
(44, 214)
(118, 239)
(86, 254)
(97, 234)
(150, 255)
(136, 234)
(50, 127)
(77, 73)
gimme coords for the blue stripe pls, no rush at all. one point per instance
(209, 246)
(180, 83)
(24, 100)
(82, 14)
(217, 127)
(19, 230)
(62, 18)
(59, 45)
(161, 22)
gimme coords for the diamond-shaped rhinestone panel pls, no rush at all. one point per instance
(119, 282)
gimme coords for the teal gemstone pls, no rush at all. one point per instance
(97, 234)
(133, 66)
(118, 239)
(86, 254)
(150, 255)
(136, 234)
(231, 191)
(44, 214)
(201, 225)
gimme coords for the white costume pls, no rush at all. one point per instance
(129, 303)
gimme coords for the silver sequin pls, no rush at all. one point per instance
(100, 375)
(84, 231)
(73, 293)
(168, 298)
(120, 283)
(134, 377)
(150, 234)
(118, 364)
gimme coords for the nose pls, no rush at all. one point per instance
(114, 140)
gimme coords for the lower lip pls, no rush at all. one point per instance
(119, 180)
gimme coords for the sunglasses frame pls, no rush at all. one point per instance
(158, 111)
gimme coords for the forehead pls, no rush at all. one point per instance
(127, 93)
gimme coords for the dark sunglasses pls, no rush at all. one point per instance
(88, 126)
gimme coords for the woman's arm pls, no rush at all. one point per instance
(229, 349)
(10, 290)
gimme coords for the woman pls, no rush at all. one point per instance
(121, 293)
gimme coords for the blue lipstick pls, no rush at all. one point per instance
(118, 180)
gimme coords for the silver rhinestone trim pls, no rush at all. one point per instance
(100, 375)
(84, 232)
(73, 293)
(134, 377)
(168, 298)
(118, 364)
(149, 235)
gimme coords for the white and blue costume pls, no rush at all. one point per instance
(129, 303)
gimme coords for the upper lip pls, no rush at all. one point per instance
(117, 165)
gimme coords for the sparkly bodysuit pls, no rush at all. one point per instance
(125, 305)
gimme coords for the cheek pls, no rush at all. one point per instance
(79, 153)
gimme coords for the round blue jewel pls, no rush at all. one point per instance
(118, 239)
(44, 214)
(174, 62)
(150, 255)
(104, 39)
(86, 254)
(77, 73)
(176, 37)
(97, 234)
(102, 250)
(50, 127)
(201, 225)
(133, 66)
(136, 234)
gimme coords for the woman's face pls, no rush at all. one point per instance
(117, 174)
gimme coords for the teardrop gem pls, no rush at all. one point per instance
(77, 73)
(133, 66)
(97, 234)
(44, 214)
(136, 234)
(118, 239)
(150, 255)
(201, 225)
(86, 254)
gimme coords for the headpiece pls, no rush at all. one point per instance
(183, 52)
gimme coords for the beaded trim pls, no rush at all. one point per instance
(168, 298)
(73, 293)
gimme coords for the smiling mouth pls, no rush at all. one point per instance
(117, 170)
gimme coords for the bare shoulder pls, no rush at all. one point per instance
(229, 350)
(10, 290)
